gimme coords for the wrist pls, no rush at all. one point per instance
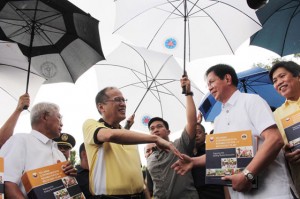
(189, 93)
(248, 175)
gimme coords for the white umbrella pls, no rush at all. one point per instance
(151, 83)
(13, 75)
(187, 29)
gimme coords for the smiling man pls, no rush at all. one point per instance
(286, 79)
(113, 157)
(243, 111)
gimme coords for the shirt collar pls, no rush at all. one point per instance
(108, 125)
(38, 135)
(288, 102)
(233, 99)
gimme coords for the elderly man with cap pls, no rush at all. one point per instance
(65, 143)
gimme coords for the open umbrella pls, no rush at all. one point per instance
(255, 80)
(280, 33)
(187, 29)
(151, 83)
(59, 39)
(13, 74)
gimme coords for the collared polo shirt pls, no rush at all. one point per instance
(286, 109)
(23, 152)
(115, 169)
(250, 112)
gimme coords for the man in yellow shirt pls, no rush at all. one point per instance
(113, 158)
(286, 80)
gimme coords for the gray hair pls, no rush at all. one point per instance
(41, 108)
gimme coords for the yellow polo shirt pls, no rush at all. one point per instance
(286, 109)
(115, 169)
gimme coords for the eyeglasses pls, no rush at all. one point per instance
(117, 100)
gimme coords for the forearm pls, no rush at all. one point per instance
(122, 136)
(12, 191)
(191, 115)
(199, 161)
(267, 152)
(8, 127)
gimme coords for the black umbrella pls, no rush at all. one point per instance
(280, 33)
(60, 40)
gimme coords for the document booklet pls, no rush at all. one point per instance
(52, 183)
(291, 126)
(227, 154)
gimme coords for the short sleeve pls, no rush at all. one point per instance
(14, 154)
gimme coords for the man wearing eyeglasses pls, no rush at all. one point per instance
(113, 157)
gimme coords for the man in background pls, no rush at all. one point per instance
(65, 143)
(286, 79)
(83, 172)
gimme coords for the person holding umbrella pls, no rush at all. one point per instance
(244, 111)
(166, 184)
(7, 129)
(113, 157)
(286, 79)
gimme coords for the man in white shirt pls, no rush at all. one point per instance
(23, 151)
(242, 111)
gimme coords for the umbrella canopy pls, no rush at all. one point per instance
(255, 80)
(13, 74)
(151, 83)
(187, 29)
(280, 33)
(59, 39)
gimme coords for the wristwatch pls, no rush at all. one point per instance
(249, 176)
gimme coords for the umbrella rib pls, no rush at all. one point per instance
(137, 15)
(219, 26)
(289, 23)
(161, 25)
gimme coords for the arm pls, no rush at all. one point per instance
(127, 137)
(186, 164)
(12, 191)
(8, 127)
(190, 109)
(263, 158)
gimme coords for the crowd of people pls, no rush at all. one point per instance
(110, 165)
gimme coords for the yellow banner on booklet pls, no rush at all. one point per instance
(44, 175)
(229, 140)
(291, 119)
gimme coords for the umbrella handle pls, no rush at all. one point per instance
(183, 87)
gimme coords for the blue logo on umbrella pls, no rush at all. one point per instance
(170, 43)
(145, 120)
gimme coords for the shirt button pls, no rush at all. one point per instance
(228, 123)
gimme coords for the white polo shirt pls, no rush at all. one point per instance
(250, 112)
(23, 152)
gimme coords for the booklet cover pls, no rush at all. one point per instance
(52, 183)
(1, 178)
(291, 126)
(227, 154)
